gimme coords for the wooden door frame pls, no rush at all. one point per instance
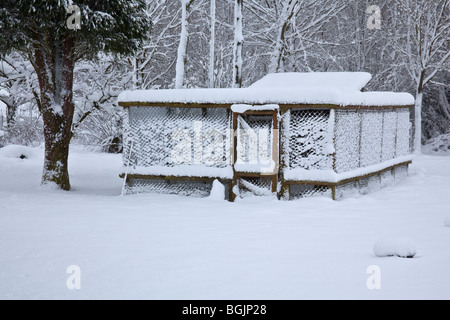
(275, 149)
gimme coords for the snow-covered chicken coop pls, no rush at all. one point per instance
(289, 134)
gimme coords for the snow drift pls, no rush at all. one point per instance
(217, 191)
(395, 246)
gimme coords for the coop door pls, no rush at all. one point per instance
(255, 152)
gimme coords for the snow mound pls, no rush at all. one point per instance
(447, 222)
(16, 151)
(395, 246)
(217, 191)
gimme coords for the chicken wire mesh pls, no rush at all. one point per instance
(346, 190)
(403, 146)
(347, 137)
(400, 172)
(387, 178)
(307, 140)
(389, 135)
(297, 191)
(368, 137)
(369, 184)
(178, 187)
(371, 133)
(260, 186)
(164, 136)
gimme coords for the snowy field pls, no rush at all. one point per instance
(171, 247)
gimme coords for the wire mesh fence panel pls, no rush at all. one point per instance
(297, 191)
(259, 186)
(389, 135)
(387, 178)
(170, 136)
(309, 142)
(369, 184)
(371, 136)
(184, 188)
(401, 172)
(403, 132)
(347, 135)
(346, 190)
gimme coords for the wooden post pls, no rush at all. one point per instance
(333, 118)
(275, 150)
(360, 136)
(284, 191)
(233, 151)
(333, 192)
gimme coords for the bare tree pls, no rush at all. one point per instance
(288, 10)
(424, 49)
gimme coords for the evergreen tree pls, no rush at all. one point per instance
(48, 33)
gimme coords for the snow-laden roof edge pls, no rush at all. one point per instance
(264, 96)
(309, 88)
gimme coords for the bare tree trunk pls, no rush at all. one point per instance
(288, 11)
(134, 76)
(182, 46)
(212, 43)
(238, 43)
(10, 111)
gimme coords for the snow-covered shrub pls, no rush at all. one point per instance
(395, 246)
(21, 123)
(26, 130)
(101, 131)
(98, 120)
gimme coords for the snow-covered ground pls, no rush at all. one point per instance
(170, 247)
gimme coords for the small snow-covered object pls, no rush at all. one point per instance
(447, 222)
(395, 246)
(16, 151)
(217, 191)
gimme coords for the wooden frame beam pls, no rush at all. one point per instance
(282, 106)
(182, 178)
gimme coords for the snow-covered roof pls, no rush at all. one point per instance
(338, 88)
(345, 81)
